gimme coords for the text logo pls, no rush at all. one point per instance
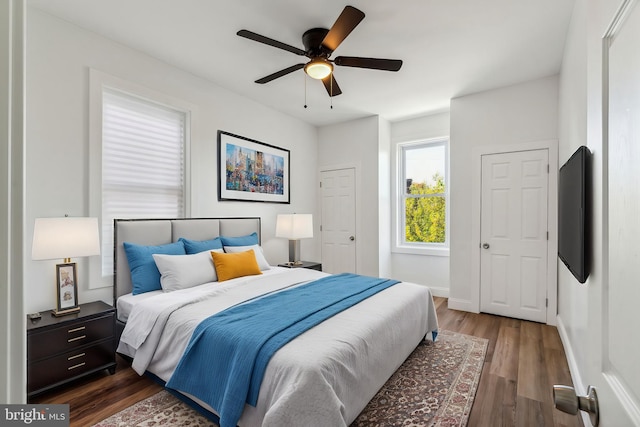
(34, 415)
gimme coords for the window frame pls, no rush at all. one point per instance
(98, 82)
(399, 219)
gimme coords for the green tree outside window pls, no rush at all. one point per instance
(425, 211)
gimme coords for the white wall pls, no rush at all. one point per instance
(582, 318)
(432, 271)
(385, 269)
(59, 56)
(572, 296)
(12, 319)
(515, 114)
(356, 144)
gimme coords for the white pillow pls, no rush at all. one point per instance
(257, 250)
(185, 271)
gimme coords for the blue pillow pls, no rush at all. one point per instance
(197, 246)
(145, 276)
(251, 239)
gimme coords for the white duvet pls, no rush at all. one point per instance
(324, 377)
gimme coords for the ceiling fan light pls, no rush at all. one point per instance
(318, 68)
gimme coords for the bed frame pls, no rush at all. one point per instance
(163, 231)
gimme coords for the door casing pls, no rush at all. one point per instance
(355, 244)
(552, 206)
(513, 267)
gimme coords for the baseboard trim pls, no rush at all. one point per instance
(576, 377)
(462, 305)
(439, 292)
(571, 358)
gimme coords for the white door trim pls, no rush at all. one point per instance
(552, 254)
(358, 183)
(614, 385)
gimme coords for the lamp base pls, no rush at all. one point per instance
(294, 252)
(59, 313)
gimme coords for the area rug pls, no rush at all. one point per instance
(435, 386)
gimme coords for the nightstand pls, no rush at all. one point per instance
(305, 264)
(62, 349)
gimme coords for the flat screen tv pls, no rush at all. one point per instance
(573, 213)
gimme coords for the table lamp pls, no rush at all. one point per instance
(65, 238)
(294, 227)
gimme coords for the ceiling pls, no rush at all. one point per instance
(450, 48)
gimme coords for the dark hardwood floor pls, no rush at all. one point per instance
(524, 359)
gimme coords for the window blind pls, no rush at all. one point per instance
(142, 163)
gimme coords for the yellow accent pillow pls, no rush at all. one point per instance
(232, 265)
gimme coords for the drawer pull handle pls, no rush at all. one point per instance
(76, 356)
(75, 366)
(81, 337)
(81, 328)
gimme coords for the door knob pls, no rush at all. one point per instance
(485, 245)
(352, 238)
(566, 400)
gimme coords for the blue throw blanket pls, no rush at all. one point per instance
(228, 353)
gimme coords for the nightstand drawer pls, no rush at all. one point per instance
(71, 336)
(49, 372)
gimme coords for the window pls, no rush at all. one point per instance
(423, 197)
(142, 162)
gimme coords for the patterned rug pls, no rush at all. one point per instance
(435, 386)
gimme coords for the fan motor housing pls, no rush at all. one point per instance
(312, 41)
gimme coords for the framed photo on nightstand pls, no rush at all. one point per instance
(67, 287)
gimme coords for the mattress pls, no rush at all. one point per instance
(126, 303)
(325, 376)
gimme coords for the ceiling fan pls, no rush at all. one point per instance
(319, 44)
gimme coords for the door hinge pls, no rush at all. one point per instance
(547, 167)
(320, 184)
(320, 227)
(546, 302)
(547, 235)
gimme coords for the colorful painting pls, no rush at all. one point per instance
(250, 170)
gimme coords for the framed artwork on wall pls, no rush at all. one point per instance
(252, 171)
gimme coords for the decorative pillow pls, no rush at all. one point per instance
(197, 246)
(185, 271)
(251, 239)
(145, 276)
(260, 259)
(232, 265)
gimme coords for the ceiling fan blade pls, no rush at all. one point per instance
(372, 63)
(271, 42)
(346, 22)
(280, 73)
(331, 85)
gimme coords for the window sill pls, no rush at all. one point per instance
(413, 250)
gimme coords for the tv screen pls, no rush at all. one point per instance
(573, 214)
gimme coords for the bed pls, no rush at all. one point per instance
(324, 376)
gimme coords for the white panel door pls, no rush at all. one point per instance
(613, 305)
(513, 226)
(338, 222)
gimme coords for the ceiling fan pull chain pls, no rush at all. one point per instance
(331, 94)
(304, 76)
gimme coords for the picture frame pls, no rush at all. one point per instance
(66, 288)
(252, 171)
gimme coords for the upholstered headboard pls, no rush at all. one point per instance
(162, 231)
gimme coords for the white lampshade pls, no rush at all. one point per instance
(60, 238)
(294, 226)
